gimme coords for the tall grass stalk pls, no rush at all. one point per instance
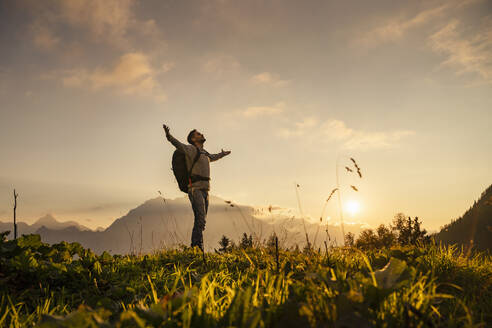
(296, 186)
(340, 207)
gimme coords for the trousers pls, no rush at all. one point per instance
(199, 203)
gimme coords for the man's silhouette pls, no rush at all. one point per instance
(200, 178)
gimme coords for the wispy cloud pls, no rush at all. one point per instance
(71, 30)
(373, 140)
(109, 21)
(220, 65)
(314, 131)
(300, 128)
(166, 67)
(102, 207)
(395, 28)
(256, 111)
(466, 54)
(132, 74)
(466, 46)
(43, 37)
(267, 78)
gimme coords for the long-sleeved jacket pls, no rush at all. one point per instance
(202, 166)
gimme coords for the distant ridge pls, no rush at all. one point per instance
(160, 222)
(472, 228)
(48, 221)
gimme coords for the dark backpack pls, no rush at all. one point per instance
(180, 170)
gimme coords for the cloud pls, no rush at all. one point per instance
(256, 111)
(472, 54)
(132, 74)
(466, 47)
(313, 131)
(166, 67)
(100, 208)
(299, 128)
(43, 37)
(108, 21)
(75, 29)
(220, 65)
(395, 28)
(267, 78)
(336, 130)
(374, 140)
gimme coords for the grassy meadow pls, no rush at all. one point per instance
(65, 285)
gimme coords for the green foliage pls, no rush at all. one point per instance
(246, 241)
(349, 239)
(225, 244)
(404, 231)
(65, 285)
(408, 230)
(271, 241)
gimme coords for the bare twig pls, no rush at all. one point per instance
(203, 256)
(141, 235)
(276, 252)
(131, 239)
(15, 214)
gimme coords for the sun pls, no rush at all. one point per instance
(352, 207)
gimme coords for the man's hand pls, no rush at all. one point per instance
(166, 129)
(225, 153)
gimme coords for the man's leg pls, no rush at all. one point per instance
(199, 203)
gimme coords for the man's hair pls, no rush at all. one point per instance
(190, 135)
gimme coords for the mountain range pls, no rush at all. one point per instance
(47, 221)
(160, 222)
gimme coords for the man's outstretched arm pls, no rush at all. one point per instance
(214, 157)
(176, 143)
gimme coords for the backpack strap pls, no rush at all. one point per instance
(197, 156)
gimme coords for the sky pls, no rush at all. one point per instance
(294, 89)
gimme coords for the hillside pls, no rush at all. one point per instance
(474, 227)
(66, 285)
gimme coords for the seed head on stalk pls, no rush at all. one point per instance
(250, 228)
(326, 202)
(357, 167)
(297, 186)
(322, 214)
(349, 170)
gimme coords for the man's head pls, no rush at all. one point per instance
(195, 137)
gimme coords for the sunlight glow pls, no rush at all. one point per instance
(352, 207)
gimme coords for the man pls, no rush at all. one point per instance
(200, 178)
